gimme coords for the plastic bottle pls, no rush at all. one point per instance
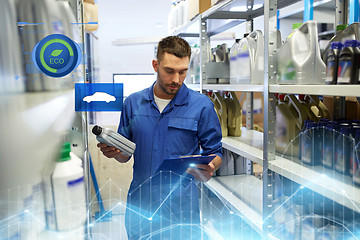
(290, 120)
(251, 59)
(47, 12)
(11, 72)
(354, 165)
(234, 68)
(307, 106)
(299, 60)
(349, 59)
(234, 114)
(329, 145)
(336, 38)
(308, 144)
(332, 64)
(221, 110)
(68, 188)
(114, 139)
(344, 150)
(318, 107)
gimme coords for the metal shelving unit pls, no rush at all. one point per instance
(242, 194)
(332, 90)
(228, 87)
(249, 145)
(330, 184)
(260, 147)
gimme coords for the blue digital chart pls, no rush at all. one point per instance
(97, 97)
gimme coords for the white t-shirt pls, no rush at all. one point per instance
(161, 103)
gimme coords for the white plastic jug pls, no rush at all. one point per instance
(251, 59)
(66, 207)
(234, 68)
(299, 58)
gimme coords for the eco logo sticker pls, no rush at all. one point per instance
(56, 55)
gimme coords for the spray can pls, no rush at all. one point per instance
(333, 63)
(348, 71)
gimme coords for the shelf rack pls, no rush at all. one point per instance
(242, 194)
(260, 147)
(332, 90)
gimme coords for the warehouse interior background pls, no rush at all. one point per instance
(37, 124)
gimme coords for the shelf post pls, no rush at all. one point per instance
(341, 12)
(204, 49)
(270, 45)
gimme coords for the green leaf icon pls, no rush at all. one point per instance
(56, 53)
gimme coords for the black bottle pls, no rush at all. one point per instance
(332, 63)
(348, 71)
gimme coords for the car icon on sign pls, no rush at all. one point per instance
(99, 97)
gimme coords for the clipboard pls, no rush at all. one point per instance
(179, 165)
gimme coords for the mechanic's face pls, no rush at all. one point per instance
(171, 75)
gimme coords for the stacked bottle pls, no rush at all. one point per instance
(349, 59)
(333, 63)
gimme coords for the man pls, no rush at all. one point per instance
(167, 120)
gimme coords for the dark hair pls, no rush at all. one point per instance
(174, 45)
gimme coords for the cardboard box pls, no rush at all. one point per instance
(351, 109)
(258, 108)
(204, 5)
(192, 8)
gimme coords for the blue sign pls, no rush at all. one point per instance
(97, 97)
(56, 55)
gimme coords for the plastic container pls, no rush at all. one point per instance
(308, 144)
(290, 120)
(234, 114)
(336, 38)
(114, 139)
(47, 12)
(329, 145)
(221, 110)
(67, 183)
(11, 72)
(349, 59)
(299, 59)
(193, 76)
(251, 59)
(355, 165)
(234, 68)
(344, 150)
(307, 106)
(318, 107)
(332, 64)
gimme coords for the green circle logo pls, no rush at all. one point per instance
(56, 55)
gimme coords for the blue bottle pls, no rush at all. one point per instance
(308, 143)
(333, 63)
(348, 70)
(329, 144)
(344, 150)
(355, 166)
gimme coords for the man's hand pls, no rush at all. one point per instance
(111, 152)
(202, 172)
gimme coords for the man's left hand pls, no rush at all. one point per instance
(202, 172)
